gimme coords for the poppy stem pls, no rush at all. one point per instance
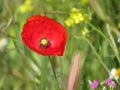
(51, 61)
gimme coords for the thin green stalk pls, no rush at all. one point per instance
(110, 88)
(97, 30)
(111, 41)
(98, 9)
(114, 47)
(54, 72)
(99, 58)
(44, 74)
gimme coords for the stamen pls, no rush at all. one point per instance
(44, 43)
(118, 72)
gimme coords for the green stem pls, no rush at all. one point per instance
(111, 88)
(44, 74)
(99, 58)
(98, 9)
(51, 61)
(113, 46)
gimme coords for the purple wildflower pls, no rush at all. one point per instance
(110, 83)
(95, 84)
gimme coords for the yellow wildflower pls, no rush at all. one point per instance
(69, 22)
(26, 6)
(85, 31)
(75, 17)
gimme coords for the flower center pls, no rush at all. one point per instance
(118, 72)
(44, 43)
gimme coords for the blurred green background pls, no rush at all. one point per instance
(95, 35)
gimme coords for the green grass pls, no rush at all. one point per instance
(24, 69)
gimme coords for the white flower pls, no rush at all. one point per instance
(3, 42)
(114, 73)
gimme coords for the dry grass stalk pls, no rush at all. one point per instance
(74, 73)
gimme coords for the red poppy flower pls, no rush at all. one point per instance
(44, 35)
